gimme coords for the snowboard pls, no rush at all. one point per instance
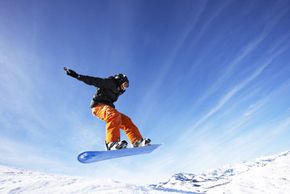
(97, 156)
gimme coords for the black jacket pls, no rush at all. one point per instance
(108, 90)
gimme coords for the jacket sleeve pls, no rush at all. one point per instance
(95, 81)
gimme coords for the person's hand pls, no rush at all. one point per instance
(71, 72)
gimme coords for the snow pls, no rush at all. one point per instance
(13, 181)
(274, 177)
(264, 175)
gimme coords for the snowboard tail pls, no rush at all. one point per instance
(96, 156)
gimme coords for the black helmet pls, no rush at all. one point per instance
(121, 78)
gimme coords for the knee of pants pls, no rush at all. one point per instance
(114, 117)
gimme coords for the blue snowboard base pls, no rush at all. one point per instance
(96, 156)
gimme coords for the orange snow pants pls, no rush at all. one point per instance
(116, 121)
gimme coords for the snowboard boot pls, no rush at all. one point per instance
(141, 143)
(117, 145)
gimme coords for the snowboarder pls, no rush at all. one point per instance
(102, 106)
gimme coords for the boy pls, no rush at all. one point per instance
(102, 105)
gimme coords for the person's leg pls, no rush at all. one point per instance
(130, 129)
(113, 121)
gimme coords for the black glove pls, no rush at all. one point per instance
(71, 72)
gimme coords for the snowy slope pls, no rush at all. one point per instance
(264, 175)
(14, 181)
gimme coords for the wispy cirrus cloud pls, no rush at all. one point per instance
(245, 52)
(171, 59)
(275, 51)
(240, 137)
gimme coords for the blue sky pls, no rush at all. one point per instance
(208, 79)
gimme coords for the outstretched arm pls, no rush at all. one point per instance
(95, 81)
(71, 72)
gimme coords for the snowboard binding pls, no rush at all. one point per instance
(117, 145)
